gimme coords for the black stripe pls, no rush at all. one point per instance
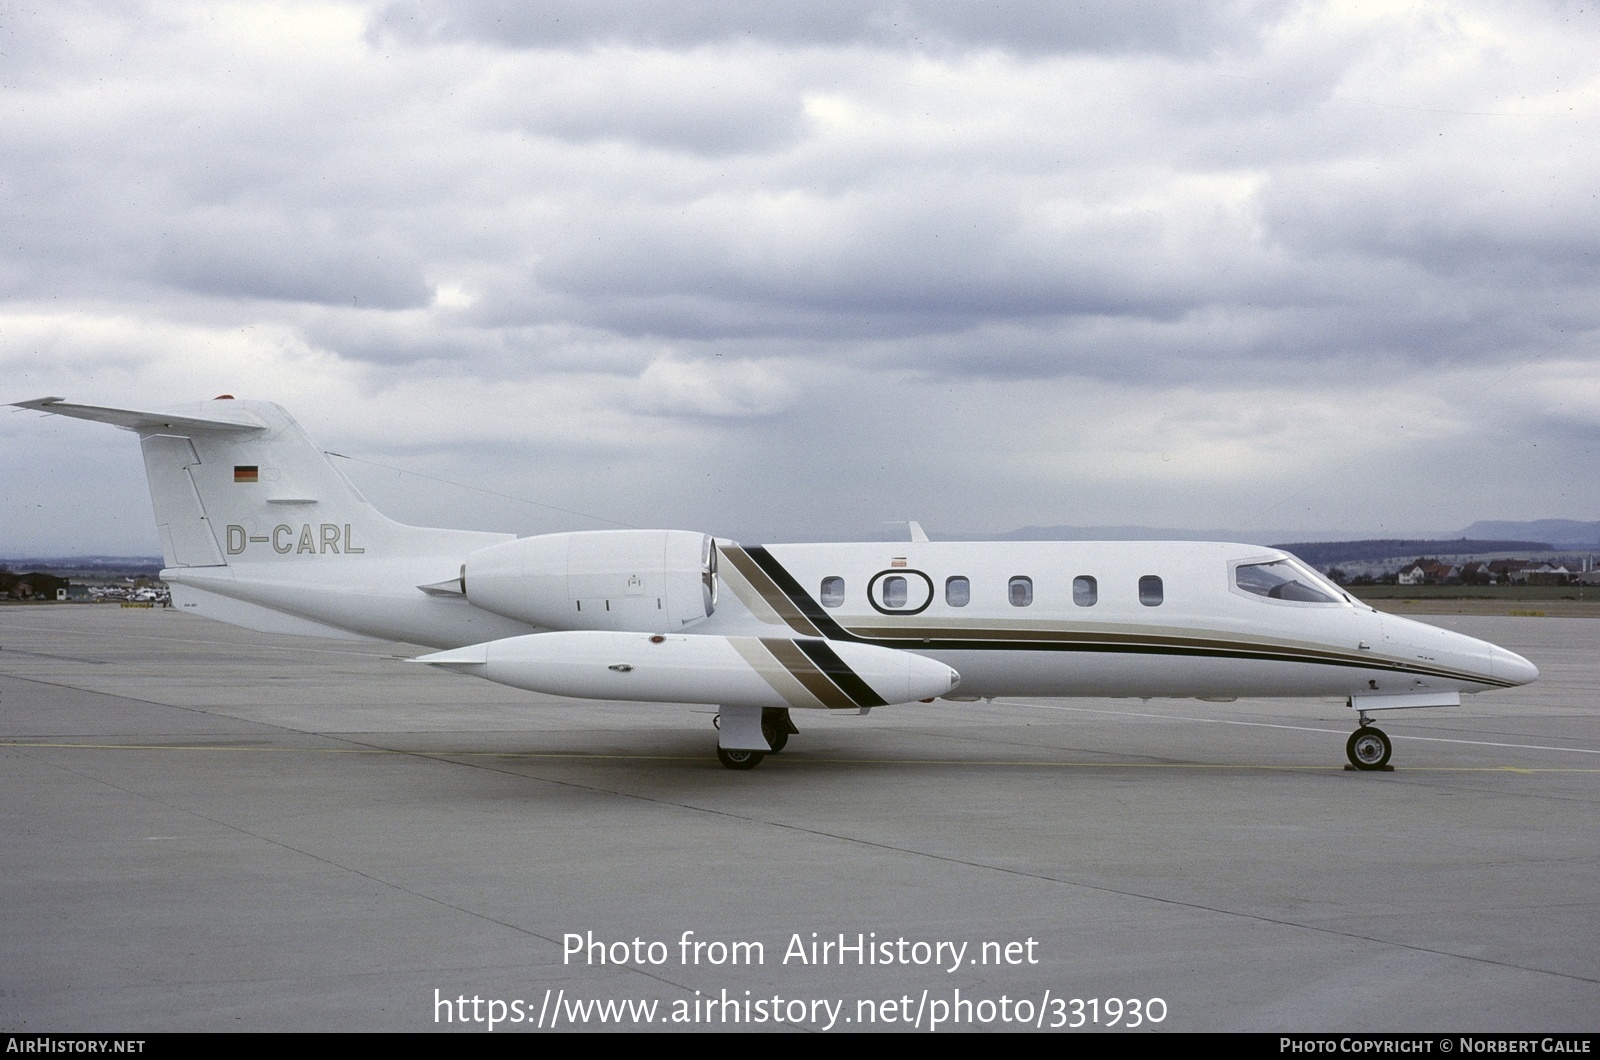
(797, 596)
(849, 682)
(1265, 655)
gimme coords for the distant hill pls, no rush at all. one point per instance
(1323, 554)
(1140, 533)
(1561, 533)
(1538, 535)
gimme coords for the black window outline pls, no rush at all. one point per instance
(872, 591)
(1151, 585)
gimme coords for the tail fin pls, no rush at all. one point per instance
(240, 481)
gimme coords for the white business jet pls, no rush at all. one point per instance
(260, 529)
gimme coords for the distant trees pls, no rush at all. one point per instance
(34, 585)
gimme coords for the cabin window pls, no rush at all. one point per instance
(1085, 591)
(1282, 580)
(957, 591)
(832, 592)
(1150, 591)
(894, 592)
(1020, 591)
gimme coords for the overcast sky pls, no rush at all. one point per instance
(791, 270)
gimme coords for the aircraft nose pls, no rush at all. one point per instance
(1509, 666)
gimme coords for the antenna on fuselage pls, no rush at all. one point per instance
(917, 533)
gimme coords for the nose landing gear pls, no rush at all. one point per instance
(1369, 748)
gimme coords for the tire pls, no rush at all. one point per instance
(739, 759)
(776, 736)
(1368, 748)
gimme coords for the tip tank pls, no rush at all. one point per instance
(747, 671)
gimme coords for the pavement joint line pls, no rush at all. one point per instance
(352, 869)
(1023, 874)
(1165, 901)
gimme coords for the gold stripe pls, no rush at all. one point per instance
(747, 594)
(763, 662)
(805, 671)
(770, 594)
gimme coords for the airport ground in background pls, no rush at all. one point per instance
(206, 828)
(1515, 601)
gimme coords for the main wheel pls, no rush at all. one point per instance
(776, 735)
(736, 759)
(1368, 748)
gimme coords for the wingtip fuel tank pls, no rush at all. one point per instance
(775, 672)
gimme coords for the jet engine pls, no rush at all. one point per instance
(650, 581)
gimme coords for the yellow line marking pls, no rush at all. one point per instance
(799, 759)
(344, 751)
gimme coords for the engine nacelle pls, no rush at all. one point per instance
(651, 581)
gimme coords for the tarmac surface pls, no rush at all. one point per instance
(204, 828)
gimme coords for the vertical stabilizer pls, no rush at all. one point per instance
(236, 482)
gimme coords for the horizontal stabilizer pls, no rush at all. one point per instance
(234, 419)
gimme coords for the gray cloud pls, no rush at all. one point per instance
(673, 102)
(745, 268)
(1026, 26)
(295, 259)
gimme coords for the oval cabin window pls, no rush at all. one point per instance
(1020, 591)
(957, 592)
(1085, 591)
(832, 592)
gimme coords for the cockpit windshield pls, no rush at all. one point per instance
(1285, 579)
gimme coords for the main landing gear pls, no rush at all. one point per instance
(737, 759)
(1369, 748)
(776, 728)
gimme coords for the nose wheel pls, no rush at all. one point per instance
(1369, 748)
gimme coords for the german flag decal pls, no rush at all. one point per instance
(246, 473)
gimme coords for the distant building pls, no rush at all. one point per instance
(1428, 572)
(1508, 570)
(35, 585)
(1548, 574)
